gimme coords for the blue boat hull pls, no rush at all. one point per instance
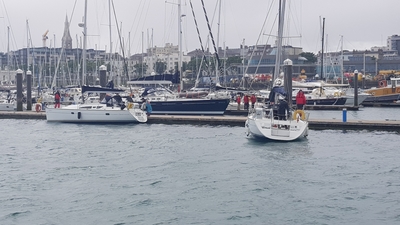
(190, 106)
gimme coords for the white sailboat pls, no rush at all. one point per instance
(266, 122)
(112, 110)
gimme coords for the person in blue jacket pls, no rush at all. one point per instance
(147, 106)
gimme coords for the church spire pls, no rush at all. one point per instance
(66, 39)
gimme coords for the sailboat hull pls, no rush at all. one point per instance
(79, 114)
(327, 101)
(260, 125)
(7, 106)
(190, 106)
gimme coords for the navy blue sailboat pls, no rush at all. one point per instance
(163, 101)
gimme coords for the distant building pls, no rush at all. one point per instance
(365, 61)
(169, 54)
(66, 39)
(393, 43)
(262, 60)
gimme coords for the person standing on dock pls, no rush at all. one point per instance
(300, 100)
(253, 100)
(149, 109)
(246, 102)
(238, 100)
(57, 98)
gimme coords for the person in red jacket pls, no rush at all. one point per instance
(300, 100)
(57, 98)
(238, 100)
(246, 102)
(253, 100)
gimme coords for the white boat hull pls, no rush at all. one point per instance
(7, 106)
(77, 114)
(350, 100)
(259, 125)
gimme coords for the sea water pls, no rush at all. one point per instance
(54, 173)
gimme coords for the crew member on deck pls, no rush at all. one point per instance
(57, 98)
(283, 109)
(8, 96)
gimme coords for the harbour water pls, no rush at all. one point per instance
(53, 173)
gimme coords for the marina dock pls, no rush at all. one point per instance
(380, 104)
(231, 110)
(237, 120)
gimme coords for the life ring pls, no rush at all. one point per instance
(38, 108)
(382, 83)
(300, 113)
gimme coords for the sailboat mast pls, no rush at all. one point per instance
(282, 4)
(84, 46)
(180, 45)
(142, 54)
(27, 46)
(216, 61)
(322, 51)
(243, 55)
(109, 28)
(341, 59)
(8, 55)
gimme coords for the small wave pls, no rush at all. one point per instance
(155, 182)
(15, 214)
(239, 217)
(258, 189)
(144, 202)
(349, 209)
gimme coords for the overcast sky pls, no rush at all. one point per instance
(362, 23)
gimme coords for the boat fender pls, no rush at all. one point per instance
(79, 115)
(336, 94)
(38, 107)
(130, 105)
(300, 114)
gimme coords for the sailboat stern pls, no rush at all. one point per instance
(259, 124)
